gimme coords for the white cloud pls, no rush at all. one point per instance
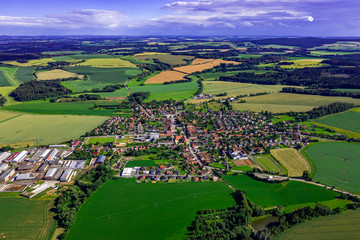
(75, 19)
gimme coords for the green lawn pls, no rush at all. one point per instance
(337, 164)
(141, 163)
(100, 140)
(26, 219)
(123, 209)
(274, 194)
(267, 163)
(341, 226)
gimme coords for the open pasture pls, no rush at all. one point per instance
(107, 63)
(123, 209)
(322, 53)
(340, 226)
(166, 76)
(292, 160)
(36, 219)
(56, 74)
(276, 194)
(5, 91)
(165, 58)
(95, 140)
(7, 115)
(337, 164)
(106, 75)
(346, 120)
(199, 67)
(285, 102)
(46, 129)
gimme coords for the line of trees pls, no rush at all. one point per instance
(321, 91)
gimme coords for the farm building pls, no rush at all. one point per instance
(21, 156)
(67, 175)
(75, 144)
(58, 146)
(4, 156)
(101, 159)
(53, 174)
(52, 155)
(45, 153)
(5, 176)
(26, 168)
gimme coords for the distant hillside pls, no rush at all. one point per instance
(305, 42)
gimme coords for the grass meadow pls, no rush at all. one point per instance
(26, 219)
(275, 194)
(123, 209)
(45, 129)
(107, 63)
(337, 164)
(292, 160)
(165, 58)
(25, 74)
(340, 226)
(267, 163)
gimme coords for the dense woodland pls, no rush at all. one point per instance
(35, 90)
(2, 100)
(321, 92)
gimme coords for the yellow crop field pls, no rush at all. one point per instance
(34, 62)
(201, 67)
(5, 115)
(107, 63)
(56, 74)
(166, 76)
(201, 61)
(292, 160)
(5, 91)
(150, 53)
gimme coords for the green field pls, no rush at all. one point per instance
(83, 85)
(165, 58)
(107, 63)
(346, 120)
(39, 107)
(106, 75)
(26, 219)
(285, 102)
(337, 164)
(177, 91)
(25, 74)
(5, 91)
(274, 194)
(100, 140)
(46, 129)
(7, 76)
(235, 89)
(123, 209)
(267, 163)
(341, 226)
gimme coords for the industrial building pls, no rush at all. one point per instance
(67, 175)
(6, 176)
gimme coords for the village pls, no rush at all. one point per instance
(158, 143)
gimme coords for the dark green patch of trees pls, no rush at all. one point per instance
(2, 100)
(109, 88)
(140, 96)
(71, 200)
(35, 90)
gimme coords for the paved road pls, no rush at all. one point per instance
(140, 105)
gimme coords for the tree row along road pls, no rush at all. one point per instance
(140, 105)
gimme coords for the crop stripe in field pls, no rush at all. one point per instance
(11, 80)
(150, 205)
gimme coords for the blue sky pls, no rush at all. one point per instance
(193, 17)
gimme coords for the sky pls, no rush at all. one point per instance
(186, 17)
